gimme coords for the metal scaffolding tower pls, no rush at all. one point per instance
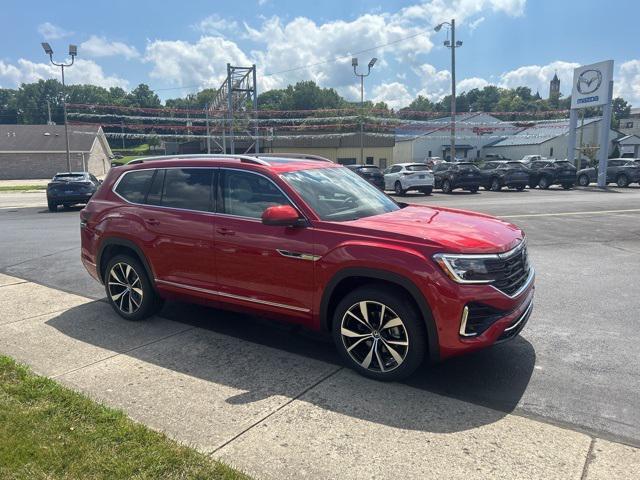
(236, 101)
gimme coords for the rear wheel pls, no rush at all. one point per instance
(427, 190)
(379, 333)
(544, 183)
(398, 189)
(520, 187)
(495, 185)
(622, 181)
(129, 289)
(474, 189)
(53, 206)
(446, 186)
(567, 186)
(583, 180)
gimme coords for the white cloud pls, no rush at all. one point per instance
(434, 83)
(627, 82)
(537, 77)
(49, 31)
(473, 25)
(471, 83)
(203, 63)
(83, 71)
(101, 47)
(215, 25)
(394, 94)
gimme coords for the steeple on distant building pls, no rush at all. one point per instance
(554, 86)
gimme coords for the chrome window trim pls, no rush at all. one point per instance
(231, 295)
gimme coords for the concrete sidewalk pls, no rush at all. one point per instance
(277, 414)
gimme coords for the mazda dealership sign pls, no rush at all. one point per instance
(591, 84)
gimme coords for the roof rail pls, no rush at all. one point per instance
(301, 156)
(242, 158)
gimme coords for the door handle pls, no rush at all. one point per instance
(151, 221)
(225, 231)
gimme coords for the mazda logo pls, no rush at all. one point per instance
(589, 81)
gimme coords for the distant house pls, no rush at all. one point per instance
(629, 145)
(631, 124)
(39, 151)
(549, 139)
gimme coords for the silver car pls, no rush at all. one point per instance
(403, 177)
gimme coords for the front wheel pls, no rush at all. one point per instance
(622, 181)
(583, 181)
(446, 186)
(129, 290)
(398, 189)
(544, 183)
(379, 333)
(53, 206)
(495, 185)
(427, 190)
(520, 187)
(474, 189)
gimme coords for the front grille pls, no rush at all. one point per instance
(511, 269)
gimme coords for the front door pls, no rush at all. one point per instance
(261, 266)
(180, 223)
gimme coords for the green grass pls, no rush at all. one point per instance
(141, 149)
(20, 188)
(48, 432)
(124, 160)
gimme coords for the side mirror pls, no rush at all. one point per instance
(281, 216)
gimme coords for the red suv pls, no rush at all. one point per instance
(308, 241)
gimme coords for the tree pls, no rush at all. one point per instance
(621, 109)
(143, 96)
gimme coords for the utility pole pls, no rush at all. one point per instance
(453, 44)
(206, 111)
(49, 122)
(354, 64)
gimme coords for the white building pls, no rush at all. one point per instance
(419, 140)
(629, 145)
(549, 139)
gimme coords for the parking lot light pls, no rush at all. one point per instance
(354, 64)
(47, 48)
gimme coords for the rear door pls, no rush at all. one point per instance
(260, 266)
(391, 177)
(179, 220)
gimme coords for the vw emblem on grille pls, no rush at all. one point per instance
(589, 81)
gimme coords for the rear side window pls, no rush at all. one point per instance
(187, 188)
(133, 185)
(417, 168)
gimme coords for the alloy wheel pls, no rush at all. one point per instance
(583, 181)
(125, 288)
(374, 336)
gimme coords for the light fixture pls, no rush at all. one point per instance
(354, 62)
(372, 62)
(47, 48)
(73, 50)
(438, 27)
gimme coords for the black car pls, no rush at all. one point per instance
(371, 173)
(545, 173)
(451, 175)
(622, 171)
(513, 174)
(70, 189)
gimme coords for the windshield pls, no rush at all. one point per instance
(467, 167)
(417, 168)
(338, 194)
(563, 163)
(515, 165)
(69, 177)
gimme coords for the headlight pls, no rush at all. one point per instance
(467, 268)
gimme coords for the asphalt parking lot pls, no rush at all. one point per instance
(575, 364)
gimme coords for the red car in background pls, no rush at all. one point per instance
(308, 241)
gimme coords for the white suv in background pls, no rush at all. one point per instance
(403, 177)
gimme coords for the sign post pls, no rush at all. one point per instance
(593, 87)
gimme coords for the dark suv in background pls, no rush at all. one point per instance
(451, 175)
(70, 188)
(513, 174)
(545, 173)
(620, 171)
(370, 173)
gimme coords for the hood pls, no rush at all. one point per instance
(453, 231)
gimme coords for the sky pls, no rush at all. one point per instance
(178, 48)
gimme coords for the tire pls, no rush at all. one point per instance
(53, 206)
(474, 189)
(117, 276)
(544, 183)
(495, 185)
(427, 190)
(397, 187)
(520, 187)
(622, 181)
(583, 180)
(372, 356)
(567, 186)
(446, 186)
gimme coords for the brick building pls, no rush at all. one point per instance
(39, 151)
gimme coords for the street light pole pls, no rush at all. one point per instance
(453, 44)
(73, 51)
(354, 64)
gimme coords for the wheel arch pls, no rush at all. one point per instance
(347, 279)
(113, 246)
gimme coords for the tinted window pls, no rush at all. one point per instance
(248, 195)
(369, 170)
(417, 168)
(441, 167)
(563, 164)
(133, 185)
(395, 169)
(154, 196)
(617, 163)
(188, 188)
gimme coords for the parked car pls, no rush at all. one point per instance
(403, 177)
(306, 241)
(620, 171)
(492, 157)
(450, 176)
(370, 173)
(545, 173)
(512, 174)
(527, 159)
(70, 188)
